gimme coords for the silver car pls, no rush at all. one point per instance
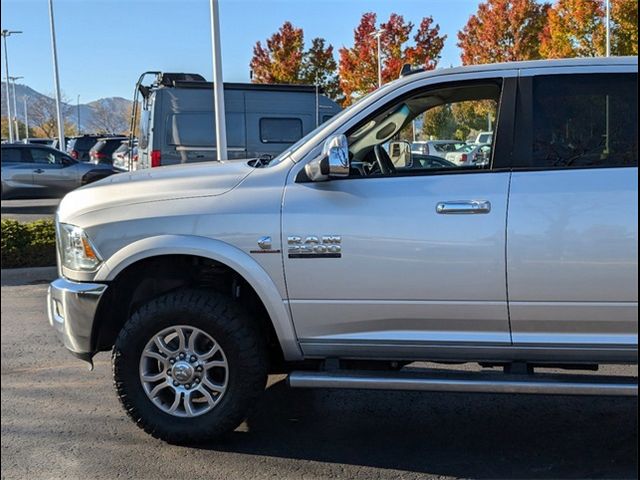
(36, 171)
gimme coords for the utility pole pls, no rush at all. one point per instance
(78, 114)
(56, 79)
(218, 86)
(26, 119)
(12, 83)
(377, 34)
(6, 34)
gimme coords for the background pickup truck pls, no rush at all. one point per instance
(349, 257)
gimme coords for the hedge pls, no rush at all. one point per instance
(28, 244)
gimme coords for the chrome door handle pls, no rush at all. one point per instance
(38, 170)
(463, 207)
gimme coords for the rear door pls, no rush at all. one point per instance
(572, 251)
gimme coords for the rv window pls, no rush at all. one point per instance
(280, 130)
(326, 117)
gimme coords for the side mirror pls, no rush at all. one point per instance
(400, 154)
(333, 162)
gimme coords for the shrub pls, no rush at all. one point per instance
(28, 244)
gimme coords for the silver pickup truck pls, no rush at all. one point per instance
(348, 257)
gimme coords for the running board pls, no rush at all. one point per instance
(481, 382)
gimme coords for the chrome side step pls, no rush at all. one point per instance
(481, 382)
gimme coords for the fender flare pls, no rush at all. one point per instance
(224, 253)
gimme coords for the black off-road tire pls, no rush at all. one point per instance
(237, 335)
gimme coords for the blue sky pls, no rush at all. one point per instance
(103, 45)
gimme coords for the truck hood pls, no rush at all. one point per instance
(153, 185)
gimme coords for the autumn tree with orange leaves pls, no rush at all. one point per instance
(359, 63)
(503, 31)
(283, 59)
(576, 28)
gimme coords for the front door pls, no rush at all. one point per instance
(54, 173)
(398, 258)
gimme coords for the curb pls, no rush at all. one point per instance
(27, 276)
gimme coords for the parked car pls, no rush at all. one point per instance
(79, 147)
(102, 151)
(470, 154)
(204, 278)
(438, 148)
(35, 171)
(120, 157)
(177, 120)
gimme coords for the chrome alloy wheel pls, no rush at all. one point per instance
(183, 371)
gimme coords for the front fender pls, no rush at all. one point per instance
(221, 252)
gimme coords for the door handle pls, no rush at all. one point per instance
(38, 170)
(463, 207)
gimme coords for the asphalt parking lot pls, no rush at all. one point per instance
(29, 210)
(61, 421)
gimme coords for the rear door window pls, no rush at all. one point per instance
(577, 121)
(11, 155)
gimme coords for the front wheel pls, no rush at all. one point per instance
(187, 366)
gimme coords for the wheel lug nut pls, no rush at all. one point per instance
(175, 384)
(181, 356)
(193, 358)
(199, 368)
(197, 380)
(172, 361)
(187, 386)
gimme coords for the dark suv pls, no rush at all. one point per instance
(78, 147)
(103, 150)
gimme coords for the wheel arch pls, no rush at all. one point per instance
(223, 253)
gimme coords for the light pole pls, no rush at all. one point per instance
(218, 86)
(377, 34)
(78, 114)
(608, 20)
(56, 79)
(12, 83)
(26, 119)
(6, 34)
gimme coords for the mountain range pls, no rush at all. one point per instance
(118, 105)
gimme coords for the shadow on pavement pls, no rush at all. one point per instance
(480, 436)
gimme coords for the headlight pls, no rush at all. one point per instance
(76, 251)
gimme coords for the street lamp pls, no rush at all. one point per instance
(26, 119)
(377, 34)
(12, 81)
(608, 15)
(56, 79)
(5, 34)
(218, 86)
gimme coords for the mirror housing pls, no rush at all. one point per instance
(333, 162)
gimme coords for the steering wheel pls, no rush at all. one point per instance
(384, 163)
